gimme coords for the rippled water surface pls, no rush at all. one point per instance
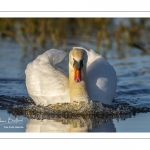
(133, 72)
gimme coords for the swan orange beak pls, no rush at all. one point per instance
(77, 74)
(78, 65)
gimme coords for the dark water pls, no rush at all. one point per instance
(133, 72)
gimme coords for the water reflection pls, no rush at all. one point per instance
(57, 125)
(66, 118)
(100, 118)
(75, 124)
(105, 127)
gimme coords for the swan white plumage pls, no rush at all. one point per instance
(91, 77)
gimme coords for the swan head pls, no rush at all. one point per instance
(77, 62)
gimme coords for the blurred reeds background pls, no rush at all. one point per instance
(45, 33)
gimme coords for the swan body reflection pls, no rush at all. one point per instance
(69, 125)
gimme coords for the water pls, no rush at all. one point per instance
(133, 70)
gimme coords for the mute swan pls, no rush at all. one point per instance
(91, 77)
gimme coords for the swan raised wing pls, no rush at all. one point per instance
(46, 84)
(101, 78)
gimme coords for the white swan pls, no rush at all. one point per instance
(91, 77)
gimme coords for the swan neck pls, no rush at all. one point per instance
(78, 91)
